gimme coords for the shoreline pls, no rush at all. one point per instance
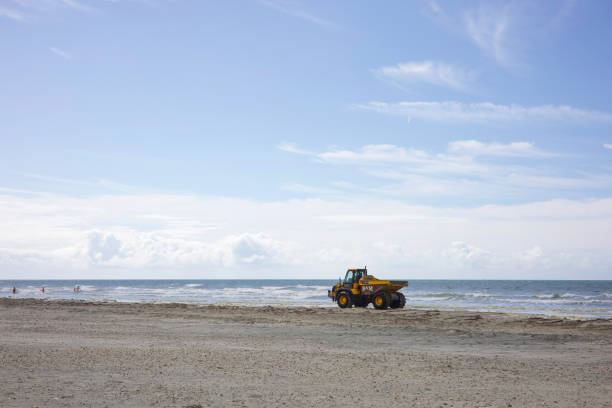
(555, 299)
(331, 305)
(111, 354)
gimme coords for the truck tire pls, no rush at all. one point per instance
(381, 300)
(344, 300)
(400, 302)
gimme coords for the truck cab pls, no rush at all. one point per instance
(351, 280)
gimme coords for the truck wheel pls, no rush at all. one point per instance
(381, 300)
(344, 300)
(400, 302)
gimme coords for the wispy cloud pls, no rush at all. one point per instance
(302, 188)
(11, 14)
(434, 7)
(504, 30)
(488, 27)
(450, 111)
(75, 5)
(374, 153)
(388, 153)
(459, 156)
(290, 147)
(463, 169)
(60, 53)
(430, 72)
(294, 9)
(514, 149)
(46, 5)
(97, 185)
(607, 146)
(55, 179)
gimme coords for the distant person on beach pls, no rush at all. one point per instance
(42, 289)
(77, 289)
(14, 290)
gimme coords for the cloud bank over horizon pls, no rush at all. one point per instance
(156, 236)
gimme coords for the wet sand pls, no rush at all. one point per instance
(88, 354)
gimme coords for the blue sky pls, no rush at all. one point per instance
(271, 138)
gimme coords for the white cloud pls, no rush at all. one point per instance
(431, 72)
(389, 248)
(504, 30)
(258, 248)
(370, 218)
(290, 147)
(531, 254)
(497, 28)
(160, 235)
(488, 27)
(73, 4)
(464, 171)
(301, 188)
(59, 52)
(292, 8)
(382, 153)
(11, 14)
(386, 153)
(550, 210)
(465, 256)
(102, 250)
(513, 149)
(102, 247)
(46, 5)
(485, 112)
(434, 7)
(155, 250)
(39, 8)
(607, 146)
(459, 156)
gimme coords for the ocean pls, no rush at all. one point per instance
(583, 299)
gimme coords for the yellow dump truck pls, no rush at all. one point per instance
(360, 289)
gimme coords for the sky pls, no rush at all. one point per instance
(294, 139)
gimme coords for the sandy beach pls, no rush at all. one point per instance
(87, 354)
